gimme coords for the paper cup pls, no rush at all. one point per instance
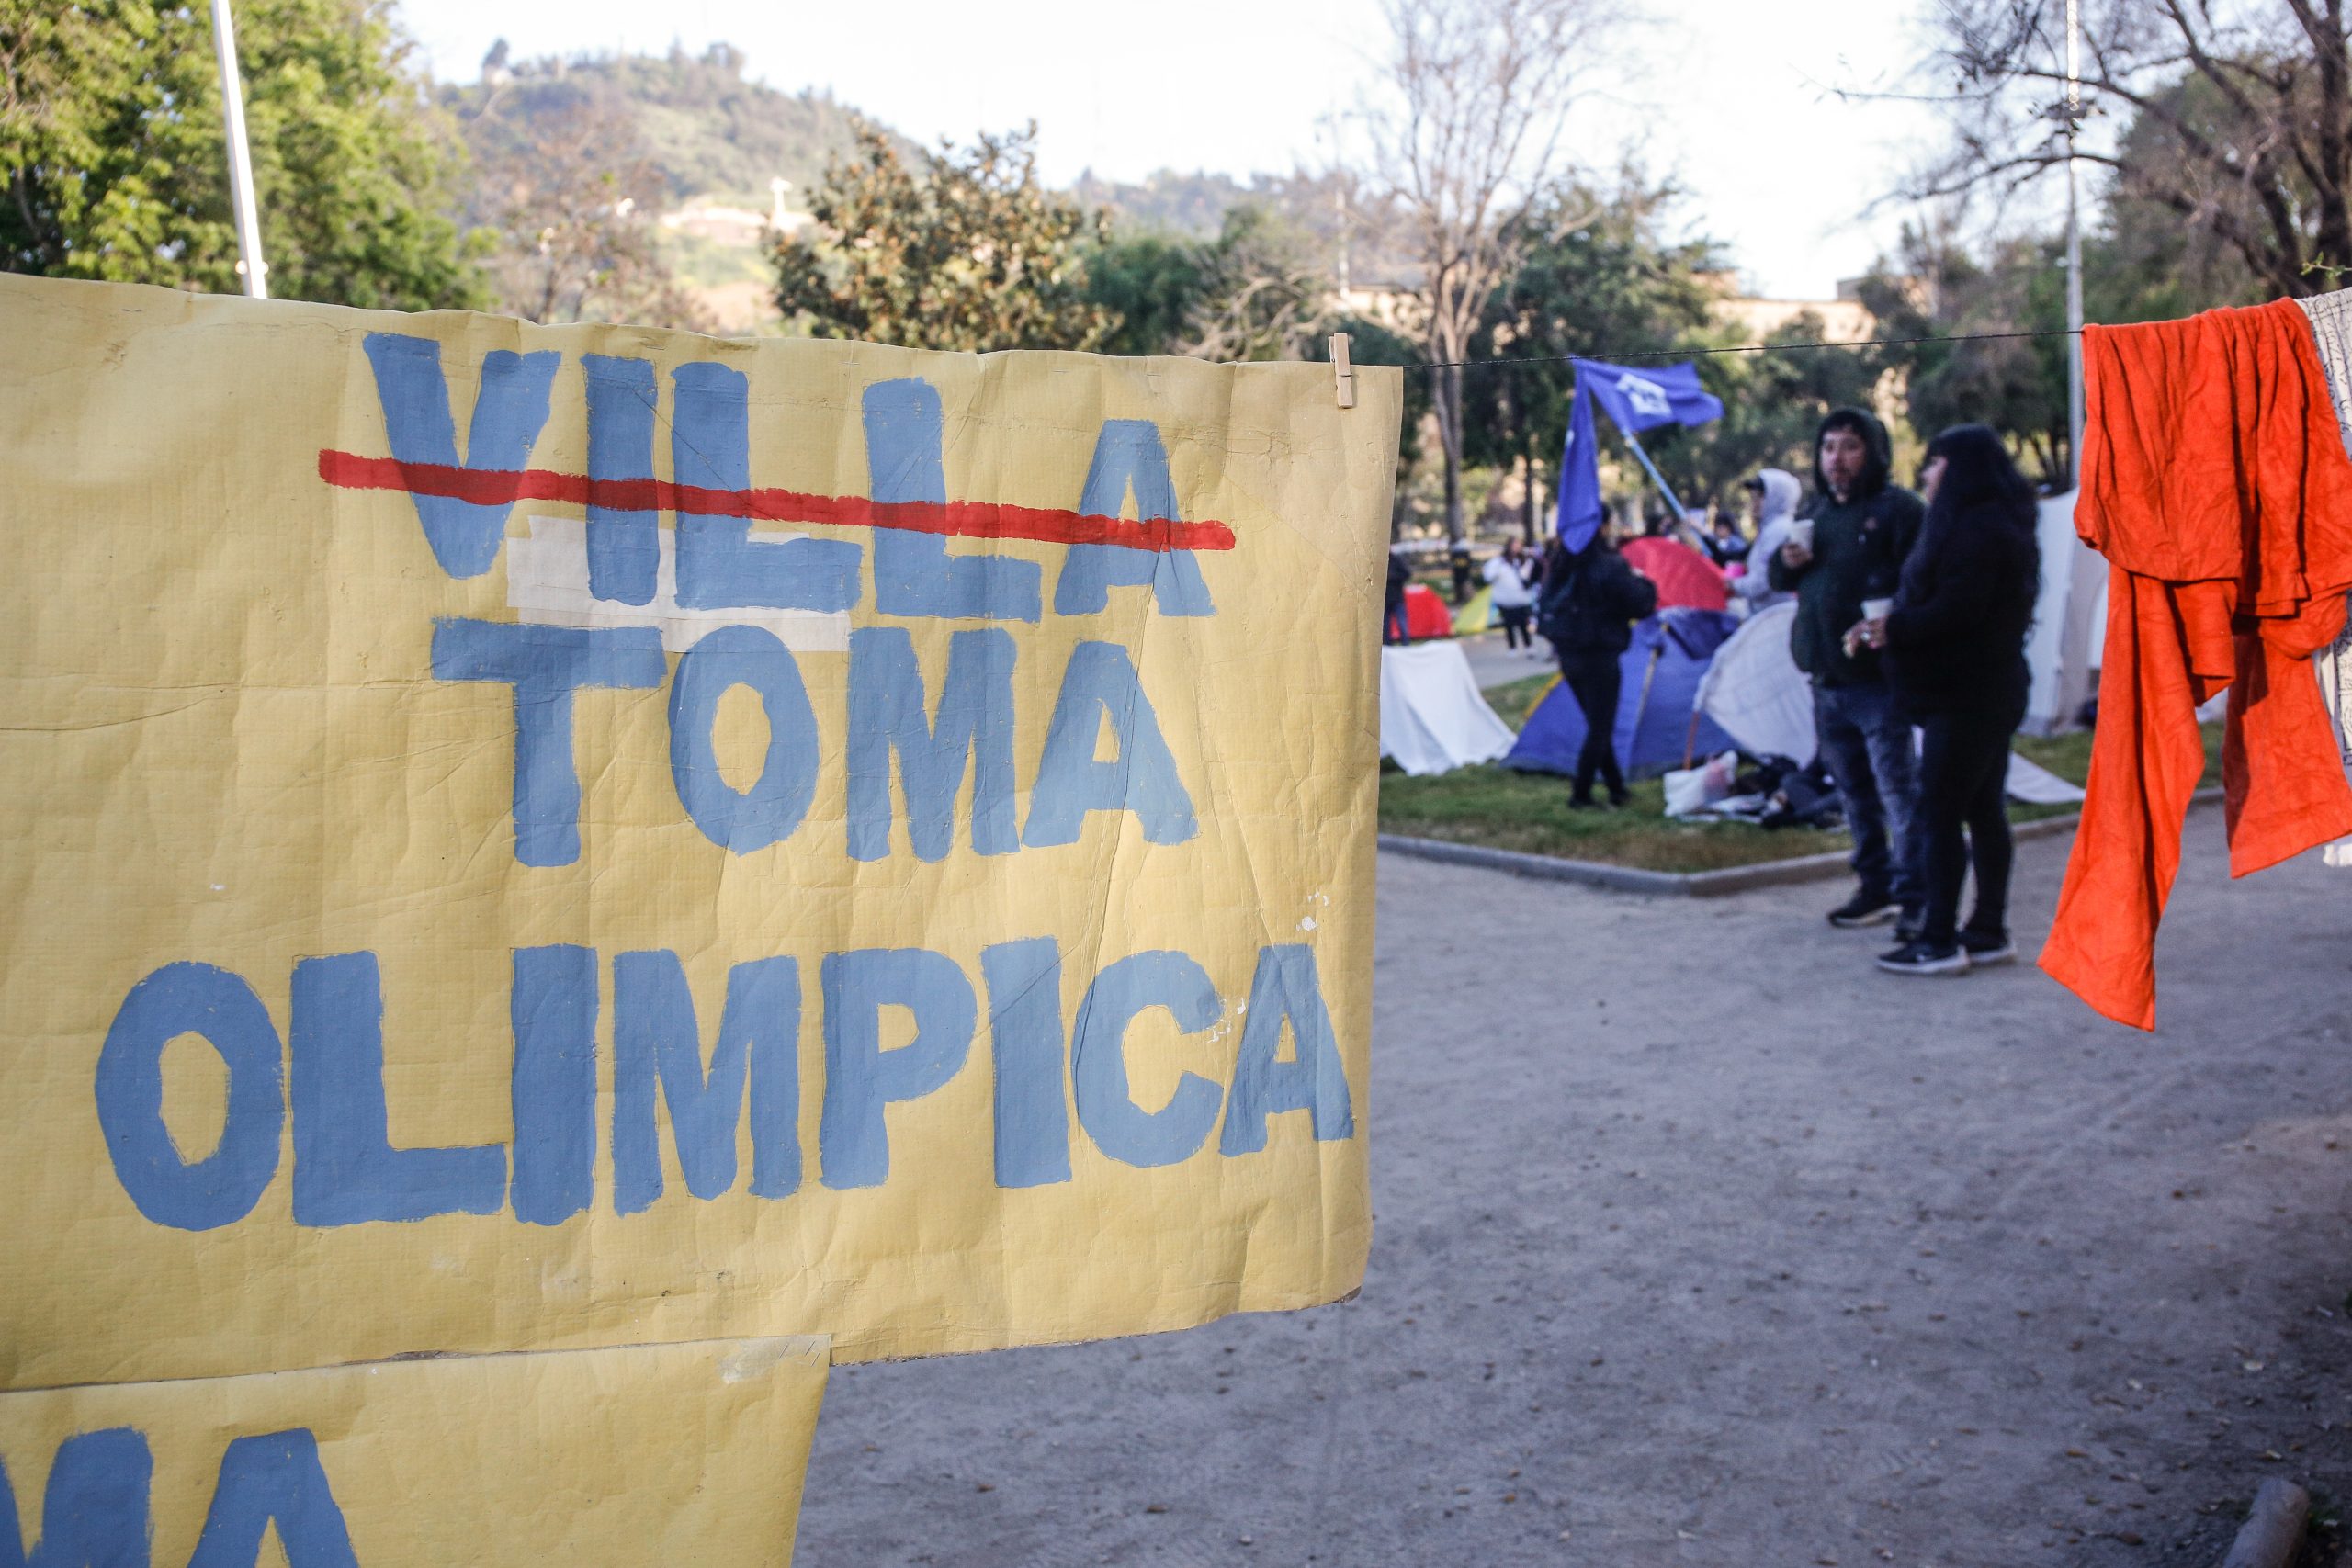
(1876, 609)
(1800, 532)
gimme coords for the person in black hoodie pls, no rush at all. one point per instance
(1862, 530)
(1394, 626)
(1954, 647)
(1591, 599)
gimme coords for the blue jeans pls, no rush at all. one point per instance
(1866, 746)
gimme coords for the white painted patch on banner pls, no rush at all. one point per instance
(547, 585)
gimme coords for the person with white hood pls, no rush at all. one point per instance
(1777, 493)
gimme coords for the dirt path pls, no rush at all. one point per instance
(1702, 1243)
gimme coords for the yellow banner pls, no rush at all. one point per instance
(530, 837)
(674, 1453)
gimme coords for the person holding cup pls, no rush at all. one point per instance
(1852, 548)
(1954, 641)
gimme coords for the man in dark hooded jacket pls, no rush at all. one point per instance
(1863, 528)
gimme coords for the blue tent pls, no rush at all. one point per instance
(1670, 653)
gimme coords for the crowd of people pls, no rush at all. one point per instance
(1911, 616)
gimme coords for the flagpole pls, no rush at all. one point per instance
(241, 163)
(1656, 477)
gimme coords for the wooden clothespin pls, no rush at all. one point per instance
(1343, 371)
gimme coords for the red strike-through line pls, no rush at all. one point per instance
(954, 519)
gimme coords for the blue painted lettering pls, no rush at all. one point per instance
(861, 1079)
(1129, 455)
(546, 665)
(222, 1187)
(1101, 683)
(767, 813)
(913, 573)
(509, 412)
(624, 543)
(345, 1170)
(719, 567)
(1287, 989)
(1106, 1106)
(552, 1009)
(657, 1047)
(1024, 981)
(887, 714)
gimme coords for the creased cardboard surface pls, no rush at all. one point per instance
(241, 800)
(674, 1454)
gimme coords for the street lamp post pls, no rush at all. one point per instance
(2074, 246)
(241, 163)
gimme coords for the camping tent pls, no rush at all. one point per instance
(1425, 613)
(1759, 697)
(1476, 615)
(1755, 690)
(1662, 669)
(1432, 718)
(1685, 579)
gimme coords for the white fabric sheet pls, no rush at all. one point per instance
(1432, 718)
(2037, 785)
(2331, 318)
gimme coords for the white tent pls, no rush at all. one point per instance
(1755, 690)
(1432, 718)
(2063, 649)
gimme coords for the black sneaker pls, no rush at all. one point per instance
(1865, 908)
(1586, 802)
(1985, 948)
(1919, 958)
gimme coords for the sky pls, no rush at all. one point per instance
(1733, 98)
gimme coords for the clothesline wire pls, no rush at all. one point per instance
(1742, 348)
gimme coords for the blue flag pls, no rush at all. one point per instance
(1635, 399)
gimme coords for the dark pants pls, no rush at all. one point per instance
(1595, 680)
(1515, 631)
(1963, 769)
(1393, 625)
(1866, 746)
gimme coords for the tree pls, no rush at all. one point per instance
(2239, 119)
(1250, 293)
(1596, 276)
(969, 252)
(112, 140)
(1772, 404)
(1477, 92)
(567, 196)
(1935, 290)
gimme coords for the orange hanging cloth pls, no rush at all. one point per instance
(2215, 482)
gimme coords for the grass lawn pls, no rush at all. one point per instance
(1493, 806)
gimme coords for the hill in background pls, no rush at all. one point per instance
(693, 147)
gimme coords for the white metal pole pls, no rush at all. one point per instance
(241, 163)
(2073, 245)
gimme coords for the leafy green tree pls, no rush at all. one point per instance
(969, 252)
(115, 160)
(1598, 275)
(1250, 293)
(1772, 405)
(1152, 283)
